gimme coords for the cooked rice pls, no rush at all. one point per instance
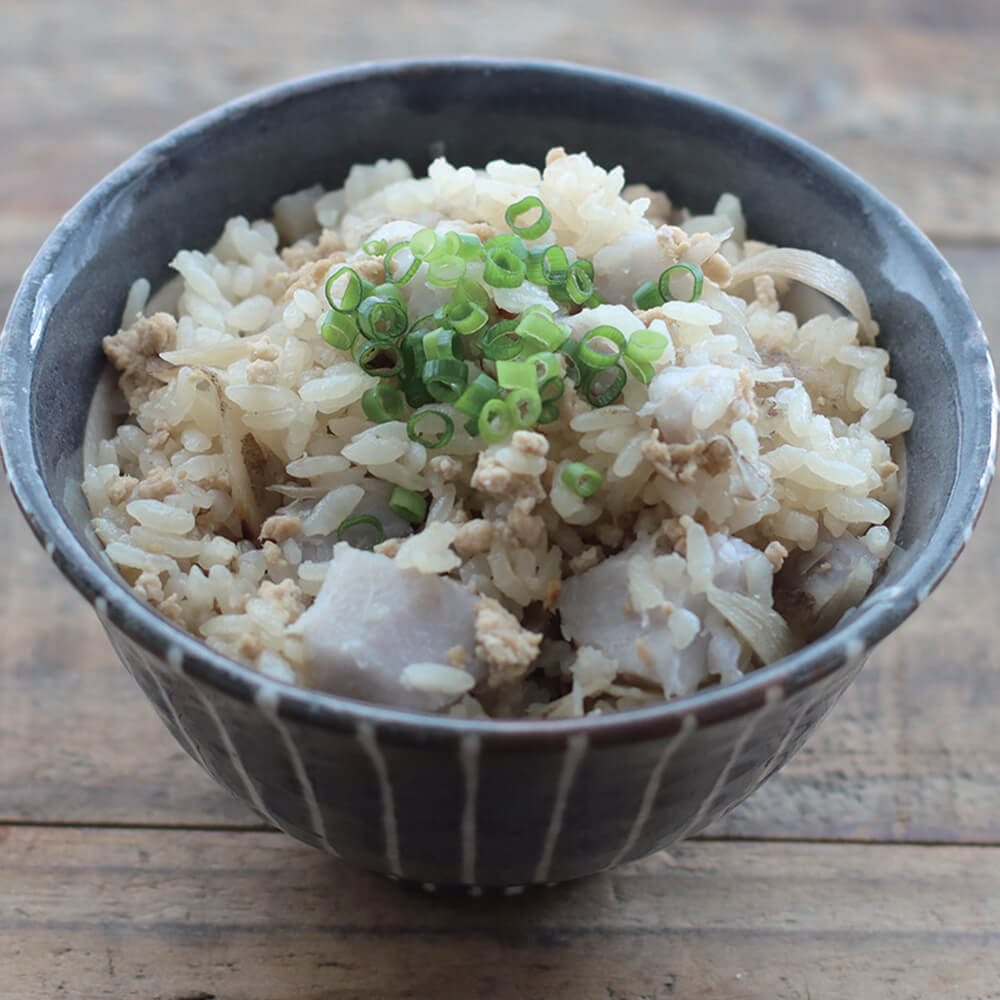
(220, 499)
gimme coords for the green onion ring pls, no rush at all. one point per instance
(663, 282)
(476, 395)
(581, 479)
(555, 265)
(640, 369)
(362, 519)
(534, 229)
(376, 248)
(517, 375)
(382, 402)
(446, 271)
(603, 387)
(646, 345)
(580, 283)
(369, 357)
(353, 293)
(504, 269)
(549, 414)
(423, 243)
(647, 295)
(408, 505)
(382, 318)
(525, 407)
(443, 438)
(501, 341)
(495, 412)
(466, 317)
(408, 274)
(445, 379)
(339, 330)
(597, 359)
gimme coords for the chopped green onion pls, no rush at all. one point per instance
(413, 352)
(415, 391)
(339, 330)
(366, 520)
(580, 283)
(646, 345)
(445, 379)
(380, 359)
(469, 290)
(581, 479)
(382, 318)
(663, 284)
(555, 265)
(641, 369)
(408, 274)
(509, 241)
(442, 344)
(430, 442)
(446, 271)
(466, 317)
(517, 374)
(495, 421)
(375, 247)
(477, 394)
(551, 389)
(550, 413)
(501, 341)
(504, 269)
(547, 365)
(381, 403)
(468, 246)
(647, 295)
(603, 387)
(408, 505)
(353, 291)
(525, 407)
(600, 360)
(571, 352)
(534, 229)
(533, 266)
(423, 243)
(539, 327)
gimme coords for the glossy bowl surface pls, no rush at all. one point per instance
(485, 804)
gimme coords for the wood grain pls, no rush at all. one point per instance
(903, 91)
(171, 915)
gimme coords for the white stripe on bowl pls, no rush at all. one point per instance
(266, 700)
(369, 743)
(468, 755)
(185, 740)
(576, 747)
(772, 697)
(688, 725)
(235, 759)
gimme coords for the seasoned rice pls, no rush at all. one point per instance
(747, 494)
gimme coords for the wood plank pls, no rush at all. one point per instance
(171, 915)
(903, 91)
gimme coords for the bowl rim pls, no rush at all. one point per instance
(881, 612)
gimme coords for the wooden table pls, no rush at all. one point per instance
(869, 868)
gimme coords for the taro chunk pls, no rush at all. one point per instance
(372, 621)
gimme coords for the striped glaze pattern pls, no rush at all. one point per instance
(467, 812)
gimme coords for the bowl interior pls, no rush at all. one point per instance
(179, 192)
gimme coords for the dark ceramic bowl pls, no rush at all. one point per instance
(485, 804)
